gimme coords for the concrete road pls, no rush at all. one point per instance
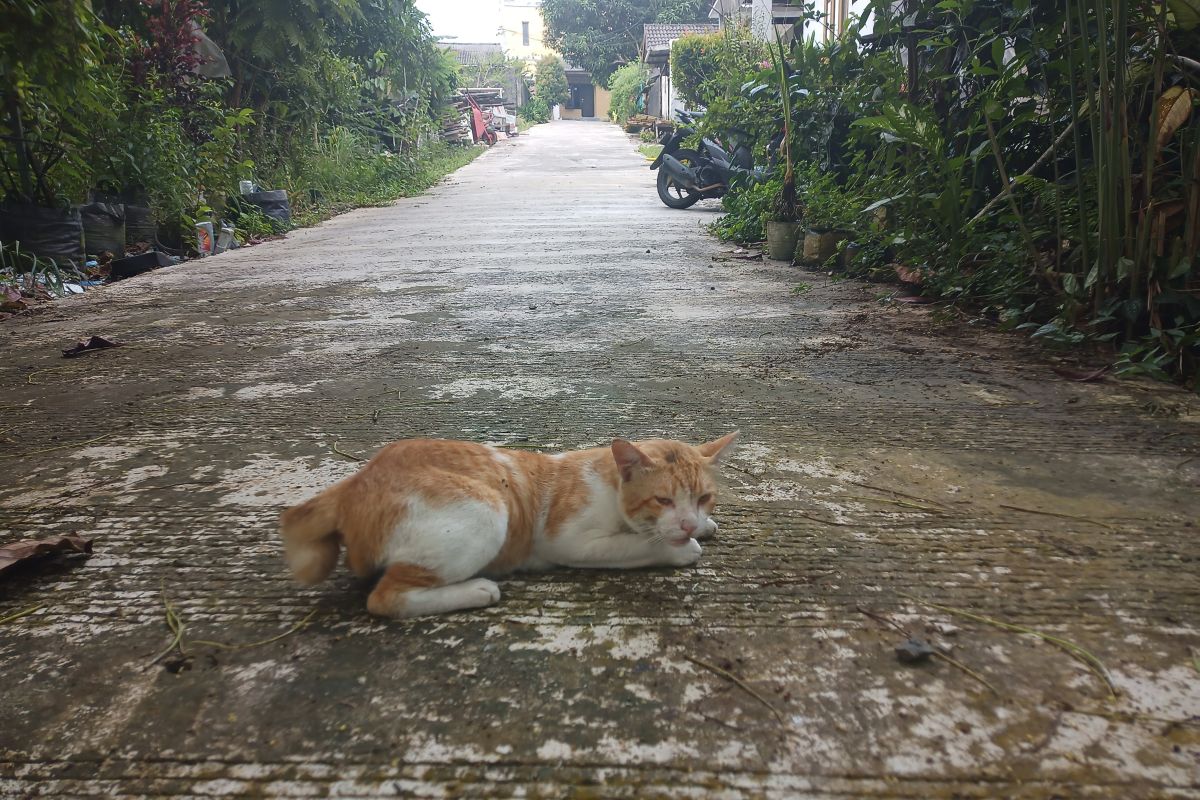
(543, 297)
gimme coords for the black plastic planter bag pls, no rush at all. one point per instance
(139, 225)
(103, 228)
(273, 203)
(55, 233)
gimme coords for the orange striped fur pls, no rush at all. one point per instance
(433, 516)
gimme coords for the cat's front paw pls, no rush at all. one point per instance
(708, 529)
(684, 555)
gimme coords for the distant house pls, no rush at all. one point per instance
(522, 30)
(766, 18)
(588, 98)
(661, 100)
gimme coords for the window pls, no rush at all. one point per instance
(525, 33)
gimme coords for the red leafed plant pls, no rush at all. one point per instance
(168, 54)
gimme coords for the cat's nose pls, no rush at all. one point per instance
(688, 525)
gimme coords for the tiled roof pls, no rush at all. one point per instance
(474, 52)
(657, 36)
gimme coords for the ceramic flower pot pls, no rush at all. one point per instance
(781, 239)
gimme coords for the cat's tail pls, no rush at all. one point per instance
(310, 537)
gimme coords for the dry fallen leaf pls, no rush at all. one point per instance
(28, 549)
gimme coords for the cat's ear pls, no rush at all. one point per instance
(629, 458)
(717, 450)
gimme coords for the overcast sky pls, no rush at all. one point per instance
(466, 20)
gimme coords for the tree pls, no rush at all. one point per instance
(600, 35)
(550, 81)
(627, 85)
(47, 51)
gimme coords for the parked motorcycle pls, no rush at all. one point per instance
(687, 176)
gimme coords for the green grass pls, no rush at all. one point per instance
(435, 163)
(650, 151)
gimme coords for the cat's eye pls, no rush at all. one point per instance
(665, 501)
(704, 498)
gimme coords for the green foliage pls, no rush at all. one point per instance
(650, 151)
(535, 111)
(550, 81)
(492, 69)
(599, 36)
(1010, 153)
(711, 68)
(49, 50)
(345, 170)
(338, 97)
(628, 85)
(747, 208)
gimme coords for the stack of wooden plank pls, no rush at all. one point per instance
(484, 96)
(456, 125)
(640, 122)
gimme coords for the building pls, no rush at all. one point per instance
(661, 100)
(588, 99)
(521, 30)
(768, 19)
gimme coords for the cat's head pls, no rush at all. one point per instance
(667, 488)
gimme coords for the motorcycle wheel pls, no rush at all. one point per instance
(672, 194)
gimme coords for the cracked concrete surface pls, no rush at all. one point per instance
(543, 296)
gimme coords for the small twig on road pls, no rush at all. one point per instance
(58, 447)
(29, 379)
(729, 676)
(898, 493)
(341, 452)
(1059, 515)
(175, 623)
(937, 653)
(1133, 716)
(720, 722)
(1078, 653)
(22, 613)
(176, 626)
(966, 670)
(884, 621)
(221, 645)
(827, 521)
(893, 501)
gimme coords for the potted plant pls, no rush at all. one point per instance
(829, 209)
(782, 224)
(45, 60)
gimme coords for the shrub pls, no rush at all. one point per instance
(746, 209)
(628, 85)
(535, 111)
(709, 67)
(550, 81)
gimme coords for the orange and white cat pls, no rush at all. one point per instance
(433, 516)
